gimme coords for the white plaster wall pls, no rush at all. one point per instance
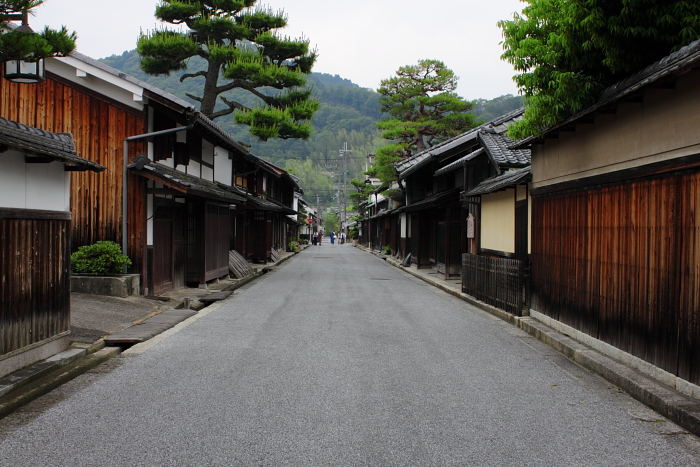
(46, 187)
(402, 221)
(223, 166)
(12, 180)
(33, 186)
(194, 168)
(207, 173)
(498, 221)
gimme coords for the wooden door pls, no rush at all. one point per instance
(162, 250)
(179, 245)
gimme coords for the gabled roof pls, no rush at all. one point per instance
(193, 115)
(465, 140)
(505, 180)
(498, 147)
(57, 146)
(281, 173)
(677, 63)
(458, 163)
(185, 183)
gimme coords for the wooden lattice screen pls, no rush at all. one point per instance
(498, 282)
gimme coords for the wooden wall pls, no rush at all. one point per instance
(99, 126)
(621, 262)
(34, 278)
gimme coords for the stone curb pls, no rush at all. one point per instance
(26, 394)
(672, 404)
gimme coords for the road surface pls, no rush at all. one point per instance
(338, 359)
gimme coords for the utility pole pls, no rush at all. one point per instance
(344, 154)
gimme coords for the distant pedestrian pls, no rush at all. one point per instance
(342, 238)
(320, 236)
(314, 238)
(332, 237)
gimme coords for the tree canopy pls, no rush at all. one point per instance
(424, 110)
(241, 44)
(22, 43)
(568, 51)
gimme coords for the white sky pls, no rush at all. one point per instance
(363, 41)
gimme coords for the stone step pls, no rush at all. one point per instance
(38, 370)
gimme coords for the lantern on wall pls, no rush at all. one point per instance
(20, 71)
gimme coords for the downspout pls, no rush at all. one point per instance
(125, 190)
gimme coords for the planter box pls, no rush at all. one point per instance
(117, 285)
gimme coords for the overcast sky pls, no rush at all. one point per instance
(363, 41)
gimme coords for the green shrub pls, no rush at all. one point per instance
(386, 250)
(104, 257)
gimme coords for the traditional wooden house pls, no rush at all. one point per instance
(178, 202)
(35, 239)
(434, 222)
(263, 223)
(615, 197)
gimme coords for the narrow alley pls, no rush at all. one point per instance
(337, 358)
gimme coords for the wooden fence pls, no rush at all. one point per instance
(34, 278)
(621, 262)
(499, 282)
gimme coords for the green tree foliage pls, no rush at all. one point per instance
(424, 110)
(239, 42)
(568, 51)
(23, 44)
(330, 222)
(361, 193)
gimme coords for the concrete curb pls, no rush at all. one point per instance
(28, 393)
(667, 401)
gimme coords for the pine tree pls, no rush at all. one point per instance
(424, 109)
(241, 44)
(22, 43)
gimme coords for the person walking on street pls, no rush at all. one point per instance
(314, 238)
(320, 236)
(332, 234)
(342, 238)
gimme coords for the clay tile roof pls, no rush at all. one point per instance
(59, 146)
(498, 125)
(498, 147)
(505, 180)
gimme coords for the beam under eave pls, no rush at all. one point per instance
(75, 168)
(38, 160)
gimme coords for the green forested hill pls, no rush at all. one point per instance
(348, 113)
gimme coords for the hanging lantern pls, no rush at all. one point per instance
(19, 71)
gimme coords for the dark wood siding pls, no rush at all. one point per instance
(34, 280)
(217, 240)
(99, 127)
(621, 262)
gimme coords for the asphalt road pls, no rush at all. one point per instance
(338, 359)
